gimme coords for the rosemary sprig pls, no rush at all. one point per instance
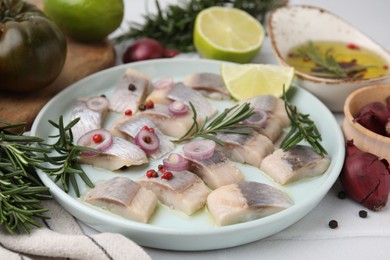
(226, 122)
(173, 26)
(21, 191)
(326, 65)
(302, 129)
(66, 162)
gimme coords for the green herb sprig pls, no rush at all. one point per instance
(302, 129)
(226, 122)
(326, 65)
(173, 26)
(21, 190)
(66, 162)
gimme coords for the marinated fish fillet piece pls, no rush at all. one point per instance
(185, 191)
(297, 163)
(91, 111)
(121, 153)
(124, 197)
(271, 104)
(245, 201)
(187, 95)
(174, 126)
(250, 149)
(209, 84)
(133, 125)
(160, 91)
(130, 92)
(216, 171)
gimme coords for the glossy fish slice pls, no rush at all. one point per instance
(175, 126)
(216, 171)
(123, 197)
(209, 84)
(245, 201)
(160, 91)
(131, 127)
(297, 163)
(91, 112)
(250, 149)
(185, 191)
(121, 154)
(130, 92)
(187, 95)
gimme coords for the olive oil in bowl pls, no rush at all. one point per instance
(337, 60)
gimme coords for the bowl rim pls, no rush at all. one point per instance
(350, 119)
(306, 76)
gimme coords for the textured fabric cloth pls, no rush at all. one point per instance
(62, 238)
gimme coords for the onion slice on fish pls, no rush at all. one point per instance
(147, 140)
(175, 162)
(99, 139)
(178, 108)
(259, 118)
(200, 149)
(97, 103)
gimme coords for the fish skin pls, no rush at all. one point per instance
(124, 197)
(208, 84)
(123, 98)
(250, 149)
(89, 119)
(182, 93)
(295, 164)
(245, 201)
(133, 125)
(122, 153)
(185, 192)
(215, 171)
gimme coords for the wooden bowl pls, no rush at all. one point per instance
(363, 138)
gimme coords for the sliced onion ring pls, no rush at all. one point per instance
(175, 162)
(259, 118)
(97, 103)
(164, 83)
(178, 108)
(147, 141)
(200, 149)
(87, 140)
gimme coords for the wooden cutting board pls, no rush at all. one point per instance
(81, 60)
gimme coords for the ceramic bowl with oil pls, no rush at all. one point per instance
(363, 138)
(313, 40)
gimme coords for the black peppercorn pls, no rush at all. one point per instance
(362, 213)
(131, 87)
(341, 195)
(142, 107)
(333, 224)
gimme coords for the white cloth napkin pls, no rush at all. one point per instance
(62, 238)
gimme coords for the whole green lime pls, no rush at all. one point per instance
(86, 20)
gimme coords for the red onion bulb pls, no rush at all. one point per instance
(200, 149)
(147, 140)
(175, 162)
(88, 140)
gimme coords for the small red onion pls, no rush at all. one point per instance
(178, 108)
(147, 140)
(374, 117)
(259, 118)
(88, 141)
(198, 150)
(175, 162)
(97, 103)
(164, 83)
(146, 49)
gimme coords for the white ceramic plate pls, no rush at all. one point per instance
(169, 229)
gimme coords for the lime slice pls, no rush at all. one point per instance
(249, 80)
(228, 34)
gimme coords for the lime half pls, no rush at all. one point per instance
(228, 34)
(245, 81)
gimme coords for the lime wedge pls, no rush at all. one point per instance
(249, 80)
(228, 34)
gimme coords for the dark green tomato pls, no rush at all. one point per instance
(32, 49)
